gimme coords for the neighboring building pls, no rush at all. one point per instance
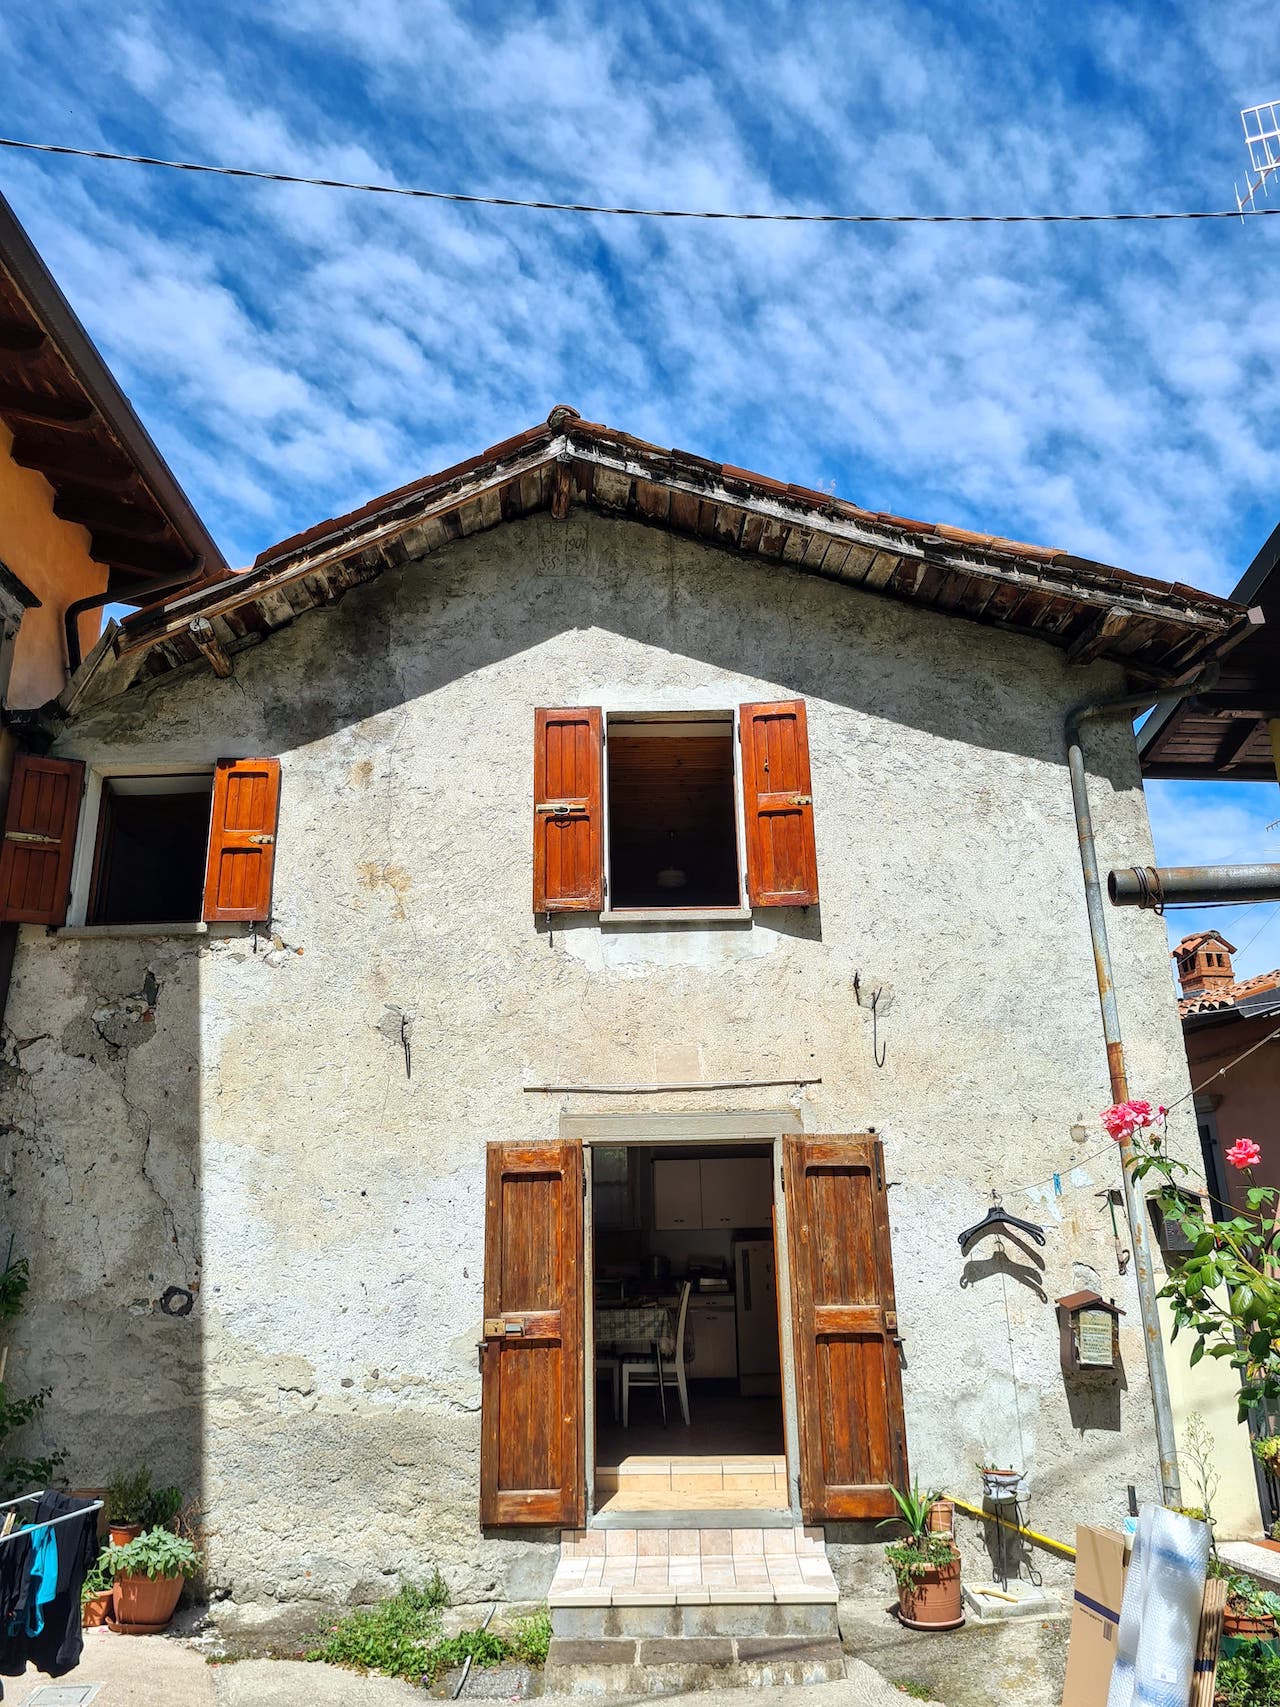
(621, 865)
(1223, 1019)
(89, 511)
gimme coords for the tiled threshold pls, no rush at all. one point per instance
(692, 1567)
(687, 1483)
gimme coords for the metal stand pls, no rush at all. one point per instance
(1007, 1498)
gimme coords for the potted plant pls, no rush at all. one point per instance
(1250, 1611)
(1000, 1484)
(149, 1572)
(95, 1595)
(128, 1506)
(925, 1566)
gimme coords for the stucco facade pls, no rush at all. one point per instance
(229, 1113)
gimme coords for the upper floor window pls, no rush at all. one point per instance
(673, 813)
(174, 848)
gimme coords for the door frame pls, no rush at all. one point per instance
(676, 1128)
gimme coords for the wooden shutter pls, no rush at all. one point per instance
(39, 839)
(568, 838)
(844, 1322)
(242, 839)
(532, 1467)
(782, 859)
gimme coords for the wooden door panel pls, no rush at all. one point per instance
(531, 1445)
(568, 829)
(844, 1324)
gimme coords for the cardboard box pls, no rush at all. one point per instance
(1102, 1557)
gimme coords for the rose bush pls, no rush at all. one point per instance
(1226, 1290)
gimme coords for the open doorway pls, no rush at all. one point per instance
(688, 1382)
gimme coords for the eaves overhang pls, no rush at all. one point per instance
(1087, 609)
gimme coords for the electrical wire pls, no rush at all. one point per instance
(542, 206)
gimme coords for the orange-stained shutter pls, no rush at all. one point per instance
(39, 840)
(531, 1391)
(242, 839)
(782, 859)
(568, 829)
(853, 1448)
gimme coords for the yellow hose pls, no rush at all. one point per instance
(1031, 1535)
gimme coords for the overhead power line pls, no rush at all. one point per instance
(643, 212)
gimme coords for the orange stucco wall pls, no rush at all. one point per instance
(51, 558)
(1247, 1101)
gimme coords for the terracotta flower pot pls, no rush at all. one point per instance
(1248, 1624)
(145, 1604)
(942, 1517)
(123, 1533)
(95, 1609)
(932, 1602)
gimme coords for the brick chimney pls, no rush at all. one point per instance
(1204, 963)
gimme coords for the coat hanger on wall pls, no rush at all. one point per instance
(997, 1219)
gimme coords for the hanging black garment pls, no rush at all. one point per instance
(56, 1650)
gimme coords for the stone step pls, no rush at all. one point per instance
(667, 1666)
(741, 1566)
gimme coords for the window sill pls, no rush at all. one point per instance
(197, 927)
(675, 915)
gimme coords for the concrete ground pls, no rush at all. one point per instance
(158, 1671)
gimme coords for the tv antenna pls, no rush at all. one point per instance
(1262, 139)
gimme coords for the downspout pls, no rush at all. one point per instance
(1166, 1439)
(74, 611)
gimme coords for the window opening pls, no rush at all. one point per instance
(672, 823)
(153, 836)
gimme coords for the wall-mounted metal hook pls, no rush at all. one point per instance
(857, 988)
(877, 1053)
(406, 1033)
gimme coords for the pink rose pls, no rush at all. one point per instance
(1244, 1153)
(1123, 1119)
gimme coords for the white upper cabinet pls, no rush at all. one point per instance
(713, 1193)
(677, 1195)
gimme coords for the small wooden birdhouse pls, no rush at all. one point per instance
(1089, 1330)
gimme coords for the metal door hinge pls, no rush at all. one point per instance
(802, 800)
(31, 837)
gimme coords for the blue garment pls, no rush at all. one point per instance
(44, 1582)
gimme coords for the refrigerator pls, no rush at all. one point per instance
(756, 1302)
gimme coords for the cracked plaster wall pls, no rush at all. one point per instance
(233, 1116)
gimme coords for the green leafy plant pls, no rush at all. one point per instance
(531, 1637)
(395, 1637)
(1267, 1451)
(154, 1553)
(1226, 1290)
(129, 1497)
(1249, 1678)
(918, 1551)
(18, 1473)
(1199, 1449)
(163, 1508)
(97, 1580)
(482, 1647)
(917, 1691)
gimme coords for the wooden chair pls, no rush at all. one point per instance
(653, 1372)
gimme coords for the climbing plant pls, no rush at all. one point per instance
(17, 1473)
(1226, 1290)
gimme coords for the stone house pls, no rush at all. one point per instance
(588, 868)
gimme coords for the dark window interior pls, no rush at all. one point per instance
(672, 832)
(153, 834)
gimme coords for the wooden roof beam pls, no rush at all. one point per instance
(1097, 636)
(95, 512)
(1232, 746)
(66, 416)
(81, 473)
(134, 557)
(20, 338)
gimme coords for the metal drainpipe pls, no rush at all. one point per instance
(1166, 1439)
(71, 616)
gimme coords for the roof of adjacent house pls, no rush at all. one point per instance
(1246, 997)
(72, 422)
(1223, 732)
(1190, 944)
(1090, 610)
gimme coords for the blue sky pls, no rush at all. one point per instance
(1110, 390)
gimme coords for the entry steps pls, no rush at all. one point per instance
(659, 1611)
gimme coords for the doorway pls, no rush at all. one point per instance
(685, 1319)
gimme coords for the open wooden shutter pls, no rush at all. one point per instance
(845, 1325)
(782, 859)
(532, 1467)
(39, 839)
(242, 839)
(568, 830)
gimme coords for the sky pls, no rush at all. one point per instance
(1111, 390)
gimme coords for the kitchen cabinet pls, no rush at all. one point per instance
(713, 1323)
(737, 1193)
(677, 1195)
(714, 1192)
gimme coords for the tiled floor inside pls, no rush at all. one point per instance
(678, 1567)
(728, 1458)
